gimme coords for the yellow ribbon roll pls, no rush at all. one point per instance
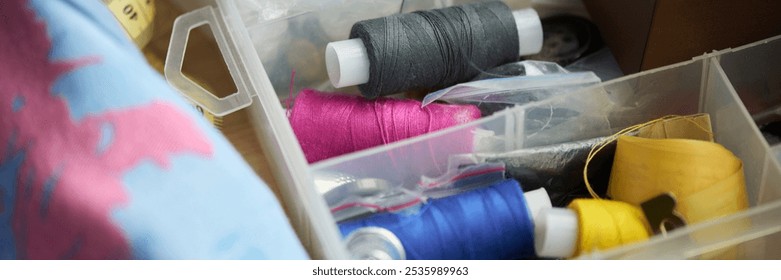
(677, 155)
(706, 178)
(604, 224)
(694, 127)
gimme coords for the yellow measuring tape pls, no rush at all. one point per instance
(136, 16)
(215, 120)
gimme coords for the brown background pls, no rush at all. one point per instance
(646, 34)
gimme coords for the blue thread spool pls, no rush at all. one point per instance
(488, 223)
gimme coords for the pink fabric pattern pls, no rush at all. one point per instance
(63, 210)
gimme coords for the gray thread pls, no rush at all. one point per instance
(435, 49)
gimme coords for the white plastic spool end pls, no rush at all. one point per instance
(556, 233)
(537, 200)
(347, 63)
(529, 28)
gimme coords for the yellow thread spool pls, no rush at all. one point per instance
(588, 225)
(605, 224)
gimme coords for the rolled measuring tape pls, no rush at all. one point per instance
(214, 120)
(136, 16)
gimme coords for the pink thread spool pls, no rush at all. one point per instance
(329, 125)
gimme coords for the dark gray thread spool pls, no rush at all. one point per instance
(434, 49)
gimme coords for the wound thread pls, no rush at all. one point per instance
(606, 224)
(329, 125)
(487, 223)
(435, 49)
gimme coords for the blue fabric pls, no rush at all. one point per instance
(101, 158)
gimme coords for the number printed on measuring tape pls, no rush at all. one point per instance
(130, 12)
(436, 270)
(135, 15)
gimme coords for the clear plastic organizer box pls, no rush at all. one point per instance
(731, 85)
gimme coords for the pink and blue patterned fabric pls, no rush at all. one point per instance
(101, 159)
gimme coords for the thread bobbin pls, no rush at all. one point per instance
(587, 225)
(514, 240)
(348, 61)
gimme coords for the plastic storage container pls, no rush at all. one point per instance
(253, 48)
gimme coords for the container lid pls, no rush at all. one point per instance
(556, 233)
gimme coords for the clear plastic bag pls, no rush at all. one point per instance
(602, 63)
(291, 35)
(558, 168)
(541, 81)
(463, 173)
(349, 197)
